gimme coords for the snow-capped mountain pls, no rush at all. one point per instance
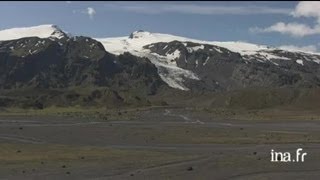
(182, 63)
(138, 39)
(42, 31)
(141, 43)
(173, 75)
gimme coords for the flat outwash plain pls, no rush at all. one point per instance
(156, 143)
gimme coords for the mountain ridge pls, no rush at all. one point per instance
(141, 44)
(143, 65)
(176, 75)
(47, 30)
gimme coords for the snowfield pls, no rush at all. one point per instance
(42, 31)
(139, 39)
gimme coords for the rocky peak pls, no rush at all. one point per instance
(58, 33)
(139, 34)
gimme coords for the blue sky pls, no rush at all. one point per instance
(295, 24)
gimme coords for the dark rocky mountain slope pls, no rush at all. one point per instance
(59, 69)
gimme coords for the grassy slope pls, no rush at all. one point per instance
(246, 104)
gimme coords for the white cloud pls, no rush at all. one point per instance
(199, 9)
(91, 12)
(310, 48)
(293, 29)
(309, 9)
(68, 2)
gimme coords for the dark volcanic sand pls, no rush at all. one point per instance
(214, 148)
